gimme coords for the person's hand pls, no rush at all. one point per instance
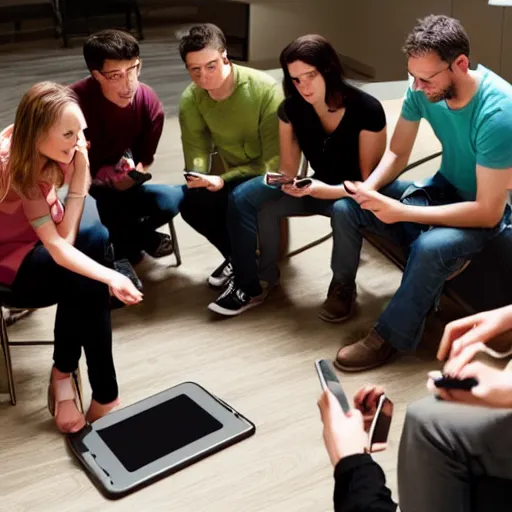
(473, 330)
(122, 288)
(494, 387)
(366, 401)
(385, 208)
(212, 183)
(309, 190)
(343, 435)
(81, 180)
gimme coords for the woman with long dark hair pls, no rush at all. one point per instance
(341, 131)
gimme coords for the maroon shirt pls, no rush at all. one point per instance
(112, 129)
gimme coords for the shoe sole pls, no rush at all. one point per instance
(215, 308)
(352, 369)
(338, 320)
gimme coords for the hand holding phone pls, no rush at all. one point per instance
(276, 179)
(192, 175)
(303, 182)
(448, 382)
(329, 380)
(377, 410)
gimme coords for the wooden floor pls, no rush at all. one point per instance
(260, 362)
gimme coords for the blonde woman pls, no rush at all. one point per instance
(53, 247)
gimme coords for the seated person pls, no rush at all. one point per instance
(124, 124)
(455, 213)
(341, 131)
(447, 445)
(229, 109)
(53, 246)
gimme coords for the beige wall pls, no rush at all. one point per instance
(372, 31)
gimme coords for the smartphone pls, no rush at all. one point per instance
(139, 177)
(190, 175)
(276, 179)
(381, 424)
(447, 382)
(304, 182)
(329, 380)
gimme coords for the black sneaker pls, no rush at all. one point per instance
(125, 267)
(160, 245)
(234, 301)
(221, 275)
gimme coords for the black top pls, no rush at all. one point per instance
(334, 157)
(360, 486)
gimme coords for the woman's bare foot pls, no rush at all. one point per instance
(97, 410)
(67, 415)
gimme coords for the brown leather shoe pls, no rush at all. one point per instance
(365, 354)
(340, 304)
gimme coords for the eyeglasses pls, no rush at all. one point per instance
(305, 77)
(428, 81)
(117, 76)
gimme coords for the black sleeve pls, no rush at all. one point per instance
(281, 112)
(373, 117)
(360, 486)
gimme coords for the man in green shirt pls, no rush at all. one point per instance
(230, 110)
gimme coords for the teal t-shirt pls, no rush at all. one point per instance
(478, 134)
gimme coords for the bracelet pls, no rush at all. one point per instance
(74, 195)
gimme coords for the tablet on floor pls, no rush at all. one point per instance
(132, 447)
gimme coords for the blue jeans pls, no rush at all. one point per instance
(434, 253)
(243, 205)
(83, 305)
(132, 216)
(270, 217)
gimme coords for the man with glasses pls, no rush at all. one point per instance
(124, 124)
(232, 110)
(445, 221)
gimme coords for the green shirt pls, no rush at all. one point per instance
(243, 128)
(478, 134)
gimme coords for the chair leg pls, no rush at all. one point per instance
(4, 340)
(175, 245)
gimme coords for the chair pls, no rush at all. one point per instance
(5, 300)
(175, 245)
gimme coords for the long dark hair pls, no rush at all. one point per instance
(316, 51)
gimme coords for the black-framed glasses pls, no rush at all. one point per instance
(117, 76)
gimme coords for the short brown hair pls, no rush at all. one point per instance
(437, 33)
(199, 37)
(38, 110)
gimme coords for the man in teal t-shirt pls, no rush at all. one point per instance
(449, 219)
(230, 110)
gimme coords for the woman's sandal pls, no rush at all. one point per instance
(61, 390)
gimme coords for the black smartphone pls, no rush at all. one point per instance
(329, 380)
(276, 179)
(139, 177)
(381, 424)
(190, 175)
(304, 182)
(447, 382)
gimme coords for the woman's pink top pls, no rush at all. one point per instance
(20, 216)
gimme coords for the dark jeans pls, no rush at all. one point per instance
(132, 216)
(83, 310)
(207, 213)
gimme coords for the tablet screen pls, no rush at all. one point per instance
(158, 431)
